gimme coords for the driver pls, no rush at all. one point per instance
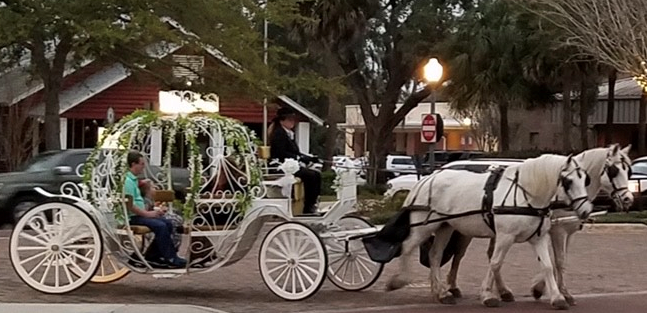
(283, 146)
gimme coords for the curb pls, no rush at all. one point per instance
(103, 308)
(614, 227)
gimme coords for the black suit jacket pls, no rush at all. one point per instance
(282, 147)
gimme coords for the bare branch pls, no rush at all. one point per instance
(613, 31)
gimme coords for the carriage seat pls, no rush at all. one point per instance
(298, 193)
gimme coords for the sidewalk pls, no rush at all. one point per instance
(102, 308)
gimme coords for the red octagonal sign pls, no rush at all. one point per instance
(428, 131)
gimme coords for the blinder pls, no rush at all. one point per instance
(567, 182)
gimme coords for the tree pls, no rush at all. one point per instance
(484, 126)
(611, 94)
(385, 69)
(493, 49)
(333, 29)
(612, 31)
(17, 142)
(57, 35)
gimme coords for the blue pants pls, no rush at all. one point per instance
(162, 245)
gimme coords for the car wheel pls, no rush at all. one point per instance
(21, 206)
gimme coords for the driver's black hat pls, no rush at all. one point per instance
(285, 113)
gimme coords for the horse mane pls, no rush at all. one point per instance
(592, 161)
(538, 176)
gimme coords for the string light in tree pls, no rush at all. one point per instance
(642, 78)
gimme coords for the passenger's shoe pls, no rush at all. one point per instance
(177, 262)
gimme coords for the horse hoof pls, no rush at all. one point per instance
(560, 305)
(536, 293)
(447, 300)
(456, 292)
(507, 297)
(570, 300)
(395, 284)
(492, 303)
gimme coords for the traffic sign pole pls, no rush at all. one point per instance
(432, 145)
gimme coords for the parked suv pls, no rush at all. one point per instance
(49, 171)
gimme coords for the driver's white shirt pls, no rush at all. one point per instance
(290, 133)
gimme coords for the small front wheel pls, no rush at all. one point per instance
(349, 266)
(292, 261)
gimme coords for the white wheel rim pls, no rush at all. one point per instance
(57, 256)
(352, 270)
(292, 261)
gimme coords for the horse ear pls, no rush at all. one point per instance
(570, 159)
(626, 149)
(616, 147)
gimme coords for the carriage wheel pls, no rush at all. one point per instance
(292, 261)
(351, 270)
(55, 247)
(110, 270)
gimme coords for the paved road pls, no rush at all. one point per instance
(599, 263)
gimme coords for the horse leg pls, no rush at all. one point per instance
(462, 245)
(541, 245)
(560, 238)
(415, 239)
(503, 243)
(561, 269)
(439, 289)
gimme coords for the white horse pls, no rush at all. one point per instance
(612, 177)
(453, 201)
(608, 170)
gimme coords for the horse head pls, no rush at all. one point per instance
(615, 177)
(573, 181)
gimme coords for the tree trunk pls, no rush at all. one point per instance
(642, 126)
(331, 131)
(584, 114)
(52, 76)
(379, 144)
(608, 139)
(52, 117)
(504, 128)
(567, 116)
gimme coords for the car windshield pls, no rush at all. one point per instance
(39, 163)
(639, 168)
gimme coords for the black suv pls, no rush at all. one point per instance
(49, 171)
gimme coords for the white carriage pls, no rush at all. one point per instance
(82, 234)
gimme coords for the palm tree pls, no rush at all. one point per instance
(492, 48)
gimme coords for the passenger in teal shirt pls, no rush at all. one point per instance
(161, 252)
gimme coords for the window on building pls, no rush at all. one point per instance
(188, 66)
(534, 139)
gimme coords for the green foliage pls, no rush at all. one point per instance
(381, 211)
(327, 178)
(622, 217)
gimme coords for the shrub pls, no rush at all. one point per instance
(380, 211)
(327, 178)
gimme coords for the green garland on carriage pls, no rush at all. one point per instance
(237, 136)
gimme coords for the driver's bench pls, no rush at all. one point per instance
(273, 191)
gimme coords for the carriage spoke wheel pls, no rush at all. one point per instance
(350, 268)
(55, 247)
(111, 269)
(292, 261)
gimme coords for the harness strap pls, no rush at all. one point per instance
(527, 211)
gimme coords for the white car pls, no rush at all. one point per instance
(403, 183)
(398, 165)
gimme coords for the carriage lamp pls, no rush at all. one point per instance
(186, 102)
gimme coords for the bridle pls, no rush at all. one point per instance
(612, 171)
(567, 183)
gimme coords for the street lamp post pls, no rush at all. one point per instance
(433, 72)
